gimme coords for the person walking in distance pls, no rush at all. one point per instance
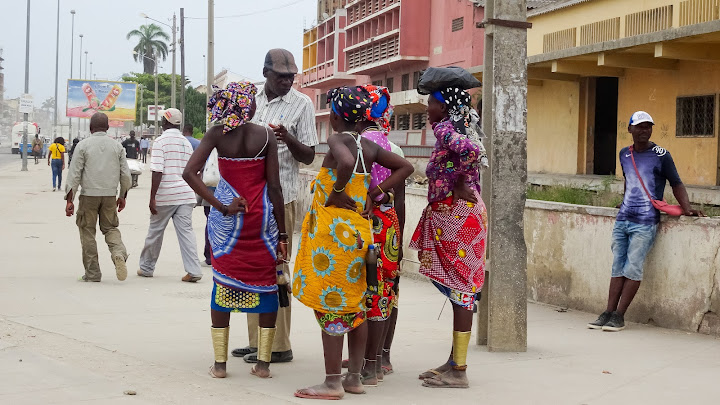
(56, 160)
(291, 115)
(98, 167)
(37, 147)
(132, 151)
(144, 145)
(646, 167)
(170, 198)
(188, 134)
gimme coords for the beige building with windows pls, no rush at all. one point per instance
(592, 63)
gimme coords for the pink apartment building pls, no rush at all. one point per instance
(388, 43)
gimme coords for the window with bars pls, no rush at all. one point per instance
(377, 82)
(323, 102)
(403, 122)
(416, 80)
(390, 84)
(392, 122)
(458, 24)
(695, 116)
(405, 82)
(419, 120)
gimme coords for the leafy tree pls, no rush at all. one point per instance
(194, 100)
(151, 41)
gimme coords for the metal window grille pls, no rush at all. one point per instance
(390, 84)
(458, 24)
(695, 116)
(419, 120)
(403, 122)
(392, 122)
(405, 82)
(377, 82)
(416, 80)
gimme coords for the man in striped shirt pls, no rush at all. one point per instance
(292, 116)
(171, 198)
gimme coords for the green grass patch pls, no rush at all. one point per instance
(602, 198)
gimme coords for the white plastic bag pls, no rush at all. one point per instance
(135, 166)
(211, 172)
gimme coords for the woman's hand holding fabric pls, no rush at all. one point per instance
(237, 205)
(341, 200)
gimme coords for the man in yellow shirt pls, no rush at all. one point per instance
(56, 160)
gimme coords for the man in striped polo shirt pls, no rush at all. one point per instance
(291, 115)
(171, 198)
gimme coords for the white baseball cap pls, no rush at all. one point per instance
(172, 115)
(640, 117)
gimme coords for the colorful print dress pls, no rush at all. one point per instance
(244, 246)
(330, 264)
(450, 237)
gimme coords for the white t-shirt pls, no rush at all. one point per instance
(170, 154)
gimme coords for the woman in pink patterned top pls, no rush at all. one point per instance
(451, 234)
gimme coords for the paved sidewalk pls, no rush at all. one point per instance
(66, 342)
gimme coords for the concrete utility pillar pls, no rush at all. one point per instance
(505, 124)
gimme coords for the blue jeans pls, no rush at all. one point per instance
(630, 246)
(56, 165)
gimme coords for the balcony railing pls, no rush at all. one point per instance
(559, 40)
(648, 21)
(639, 23)
(699, 11)
(601, 31)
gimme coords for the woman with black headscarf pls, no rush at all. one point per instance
(451, 234)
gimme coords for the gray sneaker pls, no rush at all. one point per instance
(615, 324)
(601, 321)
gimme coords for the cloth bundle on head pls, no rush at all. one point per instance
(462, 116)
(350, 103)
(380, 110)
(231, 106)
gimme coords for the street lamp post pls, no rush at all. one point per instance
(91, 70)
(156, 95)
(57, 67)
(80, 76)
(210, 52)
(86, 62)
(27, 89)
(72, 48)
(174, 46)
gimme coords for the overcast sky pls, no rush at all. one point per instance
(240, 42)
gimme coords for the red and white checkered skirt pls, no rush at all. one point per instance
(450, 240)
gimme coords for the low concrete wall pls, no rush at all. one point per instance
(569, 261)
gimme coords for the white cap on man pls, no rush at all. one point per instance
(172, 115)
(640, 117)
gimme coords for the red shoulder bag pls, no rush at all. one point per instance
(672, 210)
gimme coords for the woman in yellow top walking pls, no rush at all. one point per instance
(56, 160)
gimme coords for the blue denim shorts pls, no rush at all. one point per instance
(630, 246)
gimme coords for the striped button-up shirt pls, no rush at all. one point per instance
(295, 111)
(170, 154)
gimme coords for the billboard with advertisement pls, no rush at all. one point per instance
(116, 99)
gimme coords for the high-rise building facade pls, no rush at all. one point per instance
(389, 43)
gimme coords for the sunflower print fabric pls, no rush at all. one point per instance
(329, 274)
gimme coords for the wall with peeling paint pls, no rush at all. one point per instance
(552, 122)
(656, 92)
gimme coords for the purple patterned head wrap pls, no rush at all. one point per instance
(231, 106)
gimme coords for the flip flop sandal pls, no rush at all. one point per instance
(432, 372)
(438, 382)
(212, 373)
(312, 394)
(253, 372)
(387, 370)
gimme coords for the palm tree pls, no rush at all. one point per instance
(150, 42)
